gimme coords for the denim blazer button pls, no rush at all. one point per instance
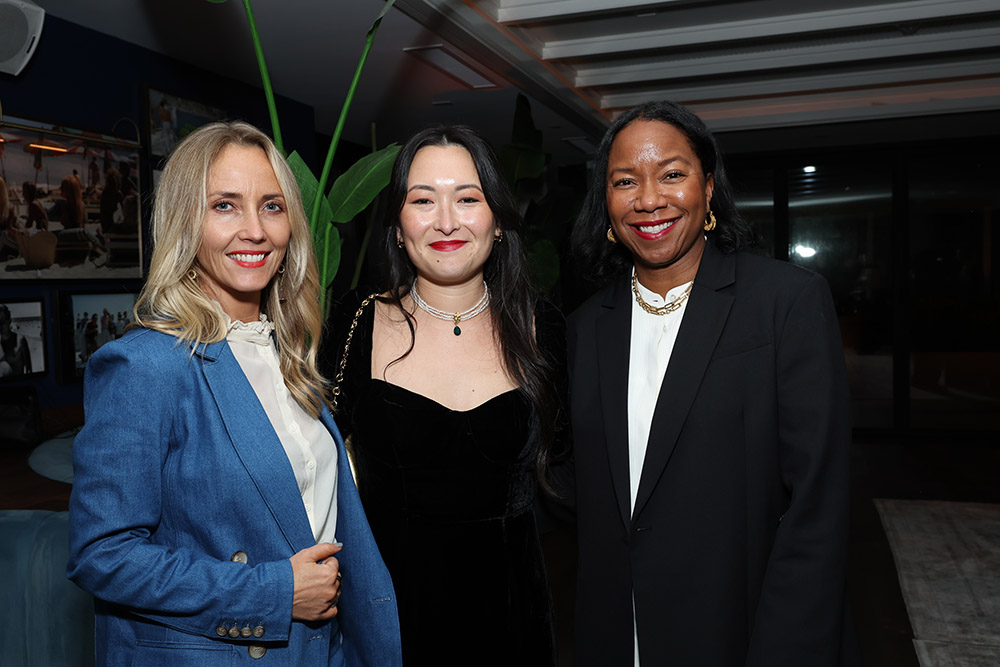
(258, 631)
(221, 631)
(256, 651)
(239, 557)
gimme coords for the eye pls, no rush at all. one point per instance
(420, 201)
(274, 207)
(223, 206)
(674, 174)
(469, 199)
(621, 182)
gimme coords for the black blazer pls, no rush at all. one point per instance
(736, 549)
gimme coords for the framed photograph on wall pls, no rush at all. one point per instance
(171, 118)
(22, 338)
(69, 203)
(88, 320)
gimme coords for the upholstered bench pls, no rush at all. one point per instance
(45, 620)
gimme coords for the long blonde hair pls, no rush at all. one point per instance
(172, 302)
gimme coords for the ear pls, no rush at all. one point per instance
(709, 189)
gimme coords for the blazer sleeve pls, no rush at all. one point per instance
(118, 505)
(800, 614)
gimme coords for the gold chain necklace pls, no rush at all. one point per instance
(665, 308)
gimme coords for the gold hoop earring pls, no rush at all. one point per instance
(281, 268)
(710, 221)
(192, 275)
(611, 235)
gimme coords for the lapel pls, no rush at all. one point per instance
(256, 443)
(704, 319)
(614, 330)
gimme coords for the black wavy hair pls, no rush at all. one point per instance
(604, 260)
(512, 296)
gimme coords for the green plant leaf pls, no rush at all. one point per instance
(328, 255)
(369, 40)
(308, 187)
(358, 186)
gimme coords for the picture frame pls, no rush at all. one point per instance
(83, 326)
(171, 118)
(22, 339)
(70, 203)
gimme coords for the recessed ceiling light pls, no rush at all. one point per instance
(810, 169)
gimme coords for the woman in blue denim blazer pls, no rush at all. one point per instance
(212, 492)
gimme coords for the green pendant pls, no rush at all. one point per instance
(458, 331)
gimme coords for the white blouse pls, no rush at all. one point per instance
(307, 443)
(652, 342)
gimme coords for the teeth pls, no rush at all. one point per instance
(653, 229)
(247, 257)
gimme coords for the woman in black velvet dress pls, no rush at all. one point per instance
(449, 392)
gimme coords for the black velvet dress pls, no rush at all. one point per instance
(449, 495)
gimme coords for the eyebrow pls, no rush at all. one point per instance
(239, 195)
(660, 164)
(431, 188)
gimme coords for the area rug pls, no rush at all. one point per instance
(948, 559)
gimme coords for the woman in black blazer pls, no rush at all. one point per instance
(711, 422)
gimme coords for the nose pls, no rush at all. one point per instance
(447, 220)
(649, 197)
(252, 228)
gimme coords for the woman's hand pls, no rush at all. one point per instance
(317, 583)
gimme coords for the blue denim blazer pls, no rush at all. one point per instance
(176, 470)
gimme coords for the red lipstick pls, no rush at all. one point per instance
(447, 246)
(653, 230)
(249, 260)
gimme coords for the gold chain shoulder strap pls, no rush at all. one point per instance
(347, 346)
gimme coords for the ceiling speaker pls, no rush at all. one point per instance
(20, 27)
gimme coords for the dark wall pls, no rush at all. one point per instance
(84, 79)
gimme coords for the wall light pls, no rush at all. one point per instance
(810, 169)
(804, 251)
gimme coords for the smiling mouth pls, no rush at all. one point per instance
(652, 229)
(250, 260)
(447, 246)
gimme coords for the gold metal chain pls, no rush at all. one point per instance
(347, 346)
(664, 309)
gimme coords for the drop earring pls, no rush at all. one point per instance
(710, 221)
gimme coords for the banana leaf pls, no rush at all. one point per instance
(359, 185)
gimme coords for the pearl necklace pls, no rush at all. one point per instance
(454, 317)
(664, 309)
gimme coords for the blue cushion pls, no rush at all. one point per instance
(44, 618)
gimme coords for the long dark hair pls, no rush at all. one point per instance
(513, 299)
(604, 260)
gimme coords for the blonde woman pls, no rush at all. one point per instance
(212, 492)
